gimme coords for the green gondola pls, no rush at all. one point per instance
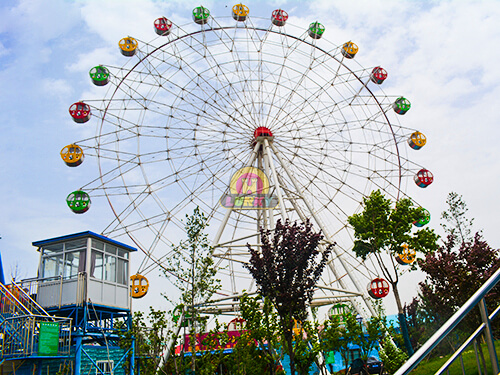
(78, 201)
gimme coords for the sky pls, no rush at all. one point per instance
(442, 55)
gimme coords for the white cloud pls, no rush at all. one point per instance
(58, 87)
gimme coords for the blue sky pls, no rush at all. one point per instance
(442, 55)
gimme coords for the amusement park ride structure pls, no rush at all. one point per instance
(252, 121)
(72, 312)
(294, 117)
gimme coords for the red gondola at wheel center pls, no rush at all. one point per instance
(262, 131)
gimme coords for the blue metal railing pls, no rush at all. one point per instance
(21, 335)
(20, 321)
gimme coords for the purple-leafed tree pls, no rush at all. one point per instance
(454, 275)
(460, 266)
(286, 269)
(454, 272)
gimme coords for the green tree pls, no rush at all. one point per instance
(213, 357)
(341, 331)
(149, 340)
(391, 356)
(381, 229)
(286, 270)
(370, 336)
(307, 346)
(263, 329)
(457, 224)
(191, 269)
(336, 338)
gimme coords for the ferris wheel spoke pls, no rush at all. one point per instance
(295, 89)
(216, 68)
(309, 162)
(322, 89)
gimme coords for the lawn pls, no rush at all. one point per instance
(432, 365)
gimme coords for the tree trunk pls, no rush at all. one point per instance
(402, 320)
(289, 339)
(192, 341)
(193, 320)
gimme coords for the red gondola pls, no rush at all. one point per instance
(378, 75)
(279, 17)
(80, 112)
(378, 288)
(423, 178)
(163, 26)
(262, 132)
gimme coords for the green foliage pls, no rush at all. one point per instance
(372, 335)
(392, 357)
(336, 338)
(457, 224)
(340, 331)
(262, 324)
(247, 358)
(379, 227)
(213, 356)
(191, 264)
(307, 347)
(149, 341)
(193, 271)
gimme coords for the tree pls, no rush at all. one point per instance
(336, 338)
(286, 270)
(262, 328)
(307, 346)
(149, 341)
(248, 358)
(458, 225)
(194, 272)
(391, 356)
(340, 331)
(459, 267)
(380, 229)
(454, 275)
(367, 339)
(456, 270)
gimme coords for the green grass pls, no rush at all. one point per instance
(432, 365)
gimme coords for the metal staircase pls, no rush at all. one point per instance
(22, 322)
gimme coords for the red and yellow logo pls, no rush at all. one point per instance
(249, 190)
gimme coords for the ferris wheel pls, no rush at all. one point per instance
(252, 120)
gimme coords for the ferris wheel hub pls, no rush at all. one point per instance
(262, 131)
(260, 134)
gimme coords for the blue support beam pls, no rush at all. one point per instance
(78, 354)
